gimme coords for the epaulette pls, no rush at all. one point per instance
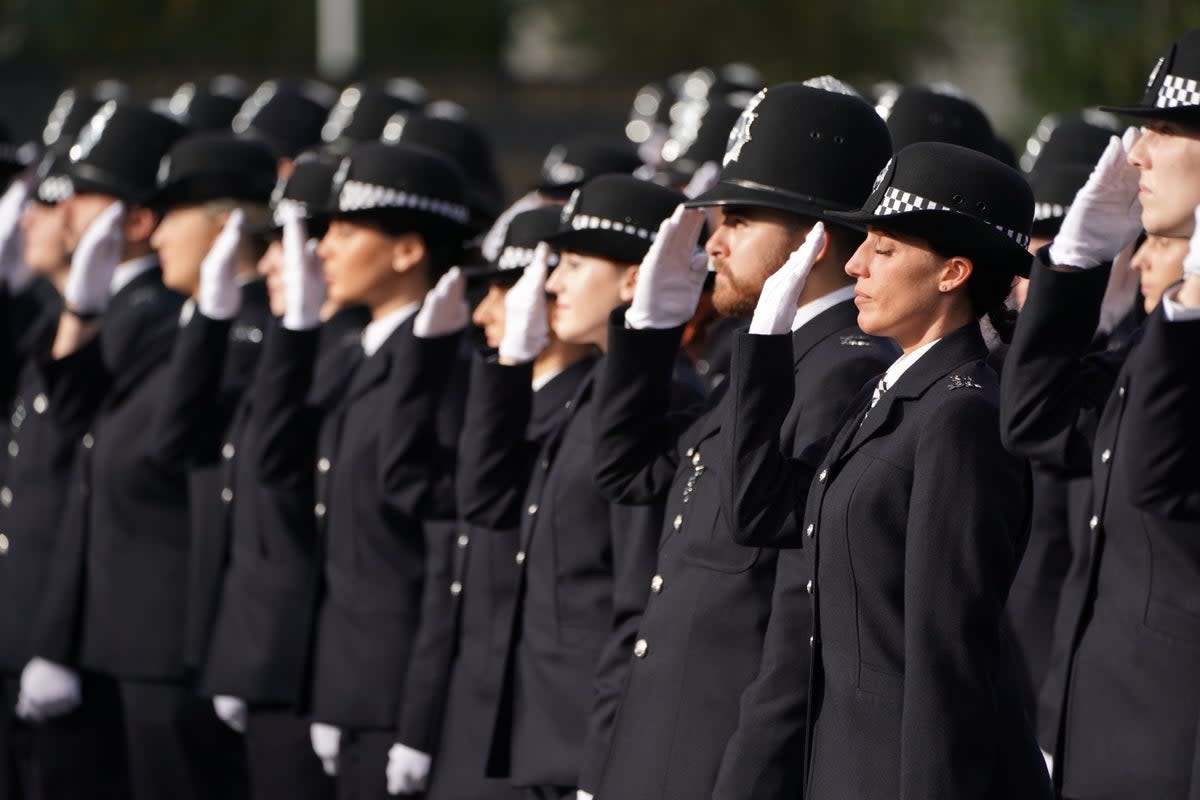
(961, 382)
(856, 340)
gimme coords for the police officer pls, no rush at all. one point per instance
(256, 658)
(484, 575)
(585, 563)
(397, 226)
(1131, 639)
(914, 691)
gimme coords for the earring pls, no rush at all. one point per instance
(943, 287)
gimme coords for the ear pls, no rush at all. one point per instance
(955, 272)
(408, 252)
(140, 223)
(628, 283)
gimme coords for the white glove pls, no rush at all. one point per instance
(303, 283)
(672, 274)
(776, 309)
(526, 329)
(231, 711)
(220, 297)
(96, 256)
(407, 770)
(493, 240)
(445, 309)
(580, 794)
(47, 690)
(326, 741)
(1106, 214)
(703, 179)
(1191, 262)
(13, 271)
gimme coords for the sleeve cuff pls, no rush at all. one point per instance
(1175, 311)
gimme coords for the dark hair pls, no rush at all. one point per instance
(988, 287)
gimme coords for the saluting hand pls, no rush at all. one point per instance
(407, 770)
(13, 271)
(703, 179)
(445, 310)
(672, 274)
(526, 329)
(219, 296)
(94, 260)
(776, 308)
(1106, 214)
(303, 283)
(1189, 294)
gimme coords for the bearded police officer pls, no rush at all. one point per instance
(796, 153)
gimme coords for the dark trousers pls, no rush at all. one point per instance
(280, 758)
(80, 754)
(178, 748)
(362, 765)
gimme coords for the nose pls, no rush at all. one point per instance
(1139, 155)
(856, 267)
(553, 282)
(716, 244)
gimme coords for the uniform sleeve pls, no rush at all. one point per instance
(967, 516)
(57, 624)
(764, 758)
(76, 384)
(1051, 393)
(185, 422)
(762, 487)
(637, 431)
(1163, 415)
(285, 426)
(494, 457)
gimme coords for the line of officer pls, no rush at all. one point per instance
(1131, 637)
(796, 153)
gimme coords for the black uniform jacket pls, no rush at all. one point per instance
(36, 467)
(915, 521)
(377, 455)
(585, 567)
(211, 366)
(702, 633)
(1128, 719)
(262, 623)
(119, 590)
(483, 583)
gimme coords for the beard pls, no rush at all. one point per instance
(733, 297)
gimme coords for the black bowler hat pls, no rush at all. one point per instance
(74, 107)
(360, 115)
(307, 190)
(286, 115)
(960, 200)
(615, 217)
(464, 143)
(1173, 91)
(919, 114)
(208, 107)
(402, 186)
(571, 164)
(801, 149)
(215, 166)
(521, 238)
(118, 151)
(700, 132)
(1061, 155)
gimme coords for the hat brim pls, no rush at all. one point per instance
(1173, 114)
(966, 235)
(728, 193)
(608, 244)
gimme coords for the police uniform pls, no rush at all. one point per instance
(376, 467)
(702, 633)
(1131, 638)
(483, 573)
(584, 563)
(913, 691)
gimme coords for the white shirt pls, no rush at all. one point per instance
(126, 271)
(540, 381)
(1175, 311)
(810, 310)
(378, 331)
(904, 362)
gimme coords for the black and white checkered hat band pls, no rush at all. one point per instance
(897, 201)
(513, 257)
(359, 196)
(1176, 92)
(1044, 211)
(587, 222)
(55, 189)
